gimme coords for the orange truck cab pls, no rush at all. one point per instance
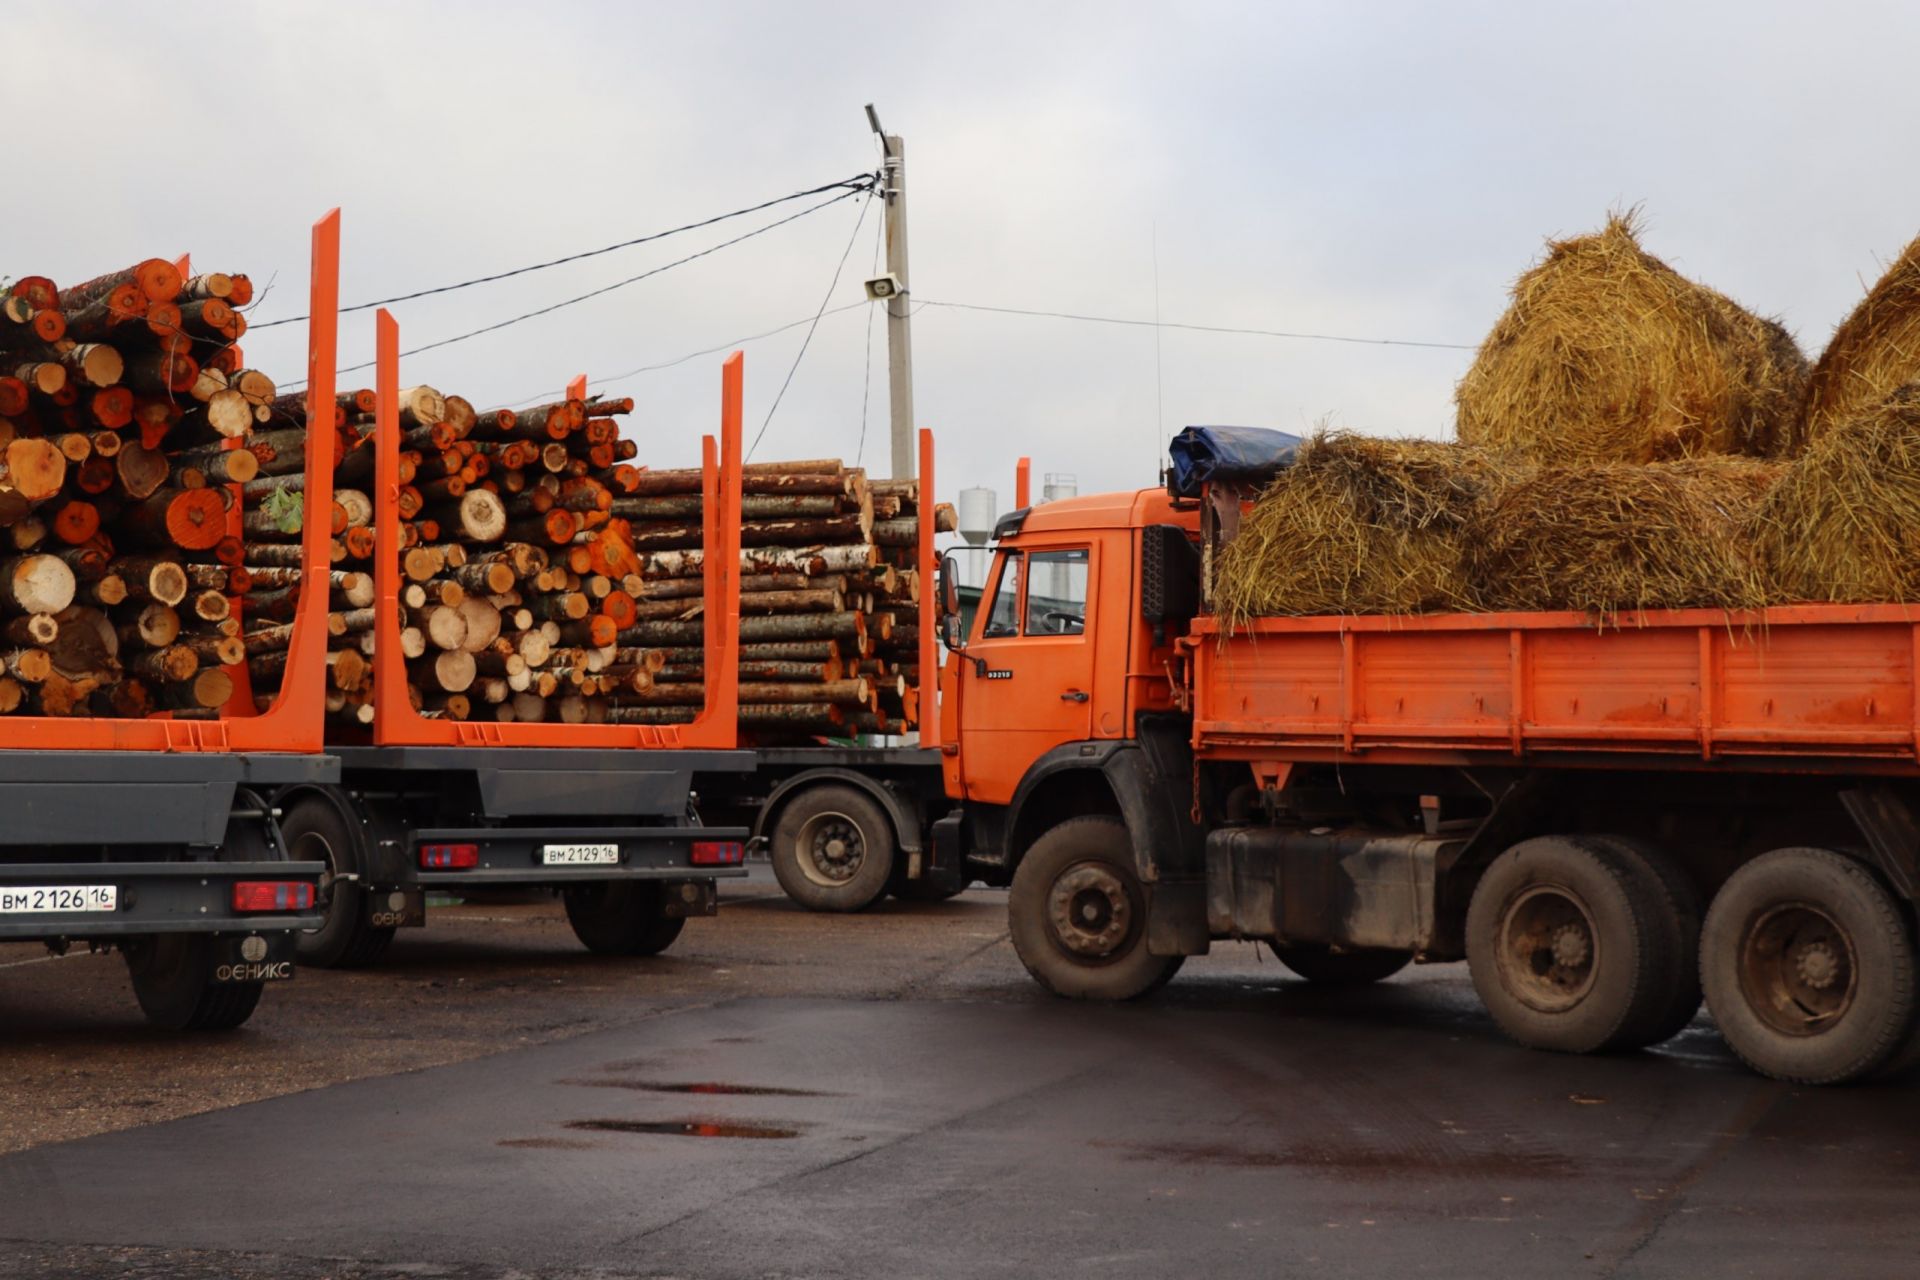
(1608, 824)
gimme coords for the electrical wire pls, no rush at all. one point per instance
(864, 182)
(806, 341)
(618, 284)
(866, 370)
(1201, 328)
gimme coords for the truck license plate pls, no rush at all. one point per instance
(64, 898)
(579, 855)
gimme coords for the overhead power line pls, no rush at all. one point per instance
(863, 182)
(805, 342)
(1200, 328)
(604, 289)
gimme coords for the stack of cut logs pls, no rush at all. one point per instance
(546, 578)
(118, 400)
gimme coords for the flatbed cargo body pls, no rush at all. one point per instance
(1797, 685)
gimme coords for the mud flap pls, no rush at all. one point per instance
(1177, 918)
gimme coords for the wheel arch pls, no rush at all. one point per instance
(1114, 779)
(902, 811)
(342, 806)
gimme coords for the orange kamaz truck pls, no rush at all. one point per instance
(1604, 822)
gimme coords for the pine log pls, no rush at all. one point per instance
(36, 583)
(844, 558)
(32, 630)
(35, 468)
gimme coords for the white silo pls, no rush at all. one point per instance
(978, 511)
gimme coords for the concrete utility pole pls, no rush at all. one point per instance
(899, 328)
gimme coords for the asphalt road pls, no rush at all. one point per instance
(793, 1095)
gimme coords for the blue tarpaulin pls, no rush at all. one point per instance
(1236, 455)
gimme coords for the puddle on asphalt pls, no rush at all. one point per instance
(548, 1144)
(713, 1087)
(687, 1128)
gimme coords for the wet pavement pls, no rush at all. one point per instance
(894, 1100)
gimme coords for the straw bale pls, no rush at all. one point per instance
(1607, 354)
(1843, 524)
(1358, 524)
(1614, 537)
(1874, 352)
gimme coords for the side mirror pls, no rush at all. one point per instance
(949, 588)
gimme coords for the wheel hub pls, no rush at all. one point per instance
(1818, 967)
(831, 849)
(1572, 947)
(1548, 954)
(1090, 910)
(1797, 969)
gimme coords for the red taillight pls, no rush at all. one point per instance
(251, 896)
(718, 853)
(449, 857)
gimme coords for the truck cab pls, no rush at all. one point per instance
(1059, 718)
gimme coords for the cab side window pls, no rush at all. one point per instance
(1004, 619)
(1057, 592)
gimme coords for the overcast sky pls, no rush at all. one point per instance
(1369, 170)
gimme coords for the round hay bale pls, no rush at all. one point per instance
(1358, 524)
(1874, 352)
(1614, 537)
(1843, 524)
(1607, 354)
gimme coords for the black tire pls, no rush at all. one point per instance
(314, 831)
(1808, 967)
(833, 849)
(1569, 946)
(1326, 968)
(173, 980)
(1680, 911)
(1085, 864)
(622, 917)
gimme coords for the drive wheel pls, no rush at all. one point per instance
(314, 831)
(622, 917)
(832, 849)
(1678, 911)
(1078, 914)
(173, 980)
(1357, 968)
(1567, 946)
(1809, 967)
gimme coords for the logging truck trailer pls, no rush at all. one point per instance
(1601, 821)
(158, 836)
(844, 824)
(601, 814)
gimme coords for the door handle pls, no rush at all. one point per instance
(1073, 695)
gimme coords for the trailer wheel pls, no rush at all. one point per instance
(1326, 968)
(173, 980)
(314, 831)
(622, 917)
(1679, 912)
(832, 849)
(1078, 914)
(1809, 968)
(1567, 947)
